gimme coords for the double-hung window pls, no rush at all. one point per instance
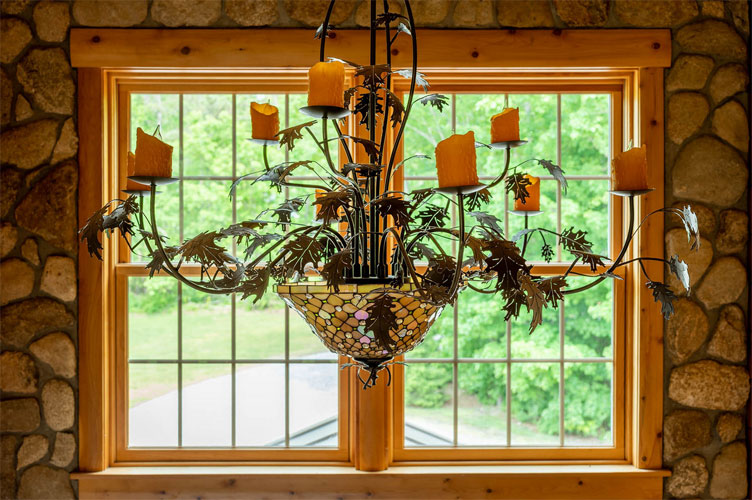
(186, 377)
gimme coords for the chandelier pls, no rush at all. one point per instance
(371, 275)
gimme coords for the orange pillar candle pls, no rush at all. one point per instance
(132, 185)
(264, 121)
(532, 202)
(629, 170)
(455, 161)
(153, 157)
(505, 126)
(326, 84)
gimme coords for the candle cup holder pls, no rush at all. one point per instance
(148, 180)
(525, 213)
(264, 142)
(508, 144)
(325, 112)
(473, 188)
(138, 192)
(636, 192)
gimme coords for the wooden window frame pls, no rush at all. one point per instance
(636, 57)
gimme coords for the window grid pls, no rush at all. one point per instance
(287, 360)
(508, 361)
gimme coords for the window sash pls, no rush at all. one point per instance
(133, 83)
(457, 82)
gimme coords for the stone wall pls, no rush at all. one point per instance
(707, 139)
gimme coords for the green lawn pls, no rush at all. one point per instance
(207, 335)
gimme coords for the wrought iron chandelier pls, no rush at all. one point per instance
(354, 275)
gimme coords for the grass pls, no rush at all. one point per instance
(260, 335)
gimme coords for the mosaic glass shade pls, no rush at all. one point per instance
(339, 318)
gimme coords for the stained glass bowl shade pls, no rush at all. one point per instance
(339, 319)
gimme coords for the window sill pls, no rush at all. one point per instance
(279, 481)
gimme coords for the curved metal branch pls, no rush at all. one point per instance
(395, 146)
(619, 258)
(167, 262)
(325, 31)
(406, 257)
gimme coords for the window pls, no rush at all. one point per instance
(374, 428)
(478, 380)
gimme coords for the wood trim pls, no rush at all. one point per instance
(93, 350)
(586, 482)
(228, 48)
(649, 331)
(523, 49)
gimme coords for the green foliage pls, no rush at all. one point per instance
(426, 385)
(482, 334)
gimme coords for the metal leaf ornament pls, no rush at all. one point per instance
(91, 230)
(301, 251)
(157, 260)
(420, 78)
(432, 216)
(689, 218)
(476, 200)
(334, 270)
(556, 172)
(505, 260)
(381, 320)
(330, 204)
(662, 293)
(517, 185)
(396, 207)
(551, 288)
(256, 283)
(285, 210)
(534, 298)
(203, 249)
(438, 101)
(288, 136)
(680, 270)
(487, 220)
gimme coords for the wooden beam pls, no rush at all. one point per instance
(233, 48)
(649, 325)
(93, 353)
(540, 482)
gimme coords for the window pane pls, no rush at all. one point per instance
(535, 404)
(303, 342)
(207, 405)
(543, 342)
(482, 331)
(260, 400)
(313, 404)
(260, 327)
(153, 404)
(250, 157)
(481, 416)
(152, 318)
(546, 220)
(586, 207)
(207, 325)
(585, 134)
(428, 404)
(587, 404)
(207, 134)
(426, 127)
(439, 341)
(588, 319)
(305, 148)
(147, 112)
(206, 207)
(537, 126)
(151, 110)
